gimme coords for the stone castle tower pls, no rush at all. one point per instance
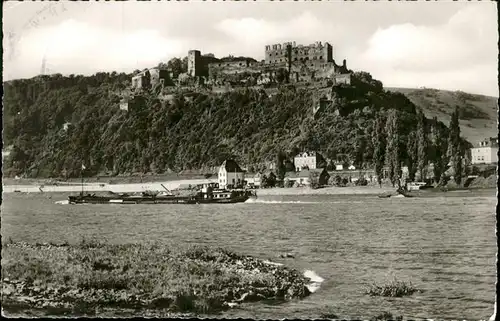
(194, 63)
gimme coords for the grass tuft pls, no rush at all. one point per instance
(395, 288)
(386, 316)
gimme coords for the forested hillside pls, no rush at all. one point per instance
(248, 125)
(478, 113)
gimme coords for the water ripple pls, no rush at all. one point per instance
(445, 245)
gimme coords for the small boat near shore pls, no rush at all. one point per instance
(207, 196)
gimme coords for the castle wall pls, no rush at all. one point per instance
(215, 69)
(159, 75)
(289, 51)
(342, 79)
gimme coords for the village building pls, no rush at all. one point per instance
(306, 177)
(6, 152)
(260, 177)
(66, 126)
(230, 175)
(306, 160)
(486, 152)
(124, 104)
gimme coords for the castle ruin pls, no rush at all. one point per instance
(286, 62)
(301, 63)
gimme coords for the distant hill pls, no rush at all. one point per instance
(478, 117)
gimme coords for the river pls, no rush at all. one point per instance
(444, 244)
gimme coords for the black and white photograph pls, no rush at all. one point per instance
(274, 160)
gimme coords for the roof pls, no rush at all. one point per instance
(266, 173)
(488, 142)
(309, 154)
(231, 166)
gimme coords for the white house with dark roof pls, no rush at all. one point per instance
(486, 152)
(230, 174)
(305, 160)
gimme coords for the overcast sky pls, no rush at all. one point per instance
(445, 45)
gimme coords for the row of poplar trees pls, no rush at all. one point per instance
(430, 142)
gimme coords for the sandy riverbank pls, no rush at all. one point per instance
(97, 187)
(172, 185)
(325, 191)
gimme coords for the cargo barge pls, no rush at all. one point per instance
(206, 196)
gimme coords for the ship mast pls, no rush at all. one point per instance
(81, 174)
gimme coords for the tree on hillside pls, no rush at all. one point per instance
(280, 166)
(392, 159)
(360, 150)
(439, 148)
(454, 147)
(162, 65)
(467, 160)
(379, 143)
(423, 145)
(177, 66)
(412, 149)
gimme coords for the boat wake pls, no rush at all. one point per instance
(316, 280)
(65, 202)
(257, 201)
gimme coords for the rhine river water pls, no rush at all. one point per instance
(444, 244)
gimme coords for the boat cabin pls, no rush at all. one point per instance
(415, 186)
(222, 194)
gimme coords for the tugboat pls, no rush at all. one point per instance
(207, 195)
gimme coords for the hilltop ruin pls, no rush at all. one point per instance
(283, 63)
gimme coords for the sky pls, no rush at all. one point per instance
(443, 45)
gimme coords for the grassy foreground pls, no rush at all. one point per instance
(82, 279)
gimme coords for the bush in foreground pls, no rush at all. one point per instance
(92, 275)
(386, 316)
(393, 289)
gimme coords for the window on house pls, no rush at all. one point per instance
(320, 57)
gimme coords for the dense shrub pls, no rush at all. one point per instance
(361, 181)
(394, 288)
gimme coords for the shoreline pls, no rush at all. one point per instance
(95, 275)
(104, 187)
(330, 190)
(174, 185)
